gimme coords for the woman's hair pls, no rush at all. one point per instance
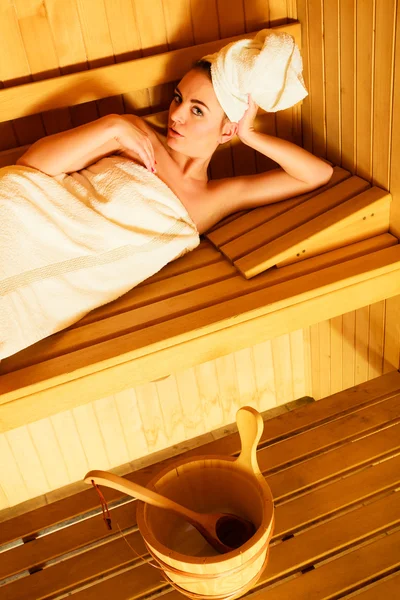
(203, 65)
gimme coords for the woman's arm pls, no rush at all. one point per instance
(75, 149)
(299, 172)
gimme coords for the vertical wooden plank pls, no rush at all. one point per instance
(277, 12)
(70, 445)
(111, 431)
(282, 369)
(99, 48)
(151, 416)
(336, 370)
(365, 85)
(48, 450)
(125, 39)
(191, 404)
(90, 437)
(132, 425)
(361, 345)
(395, 148)
(315, 362)
(332, 82)
(264, 372)
(298, 363)
(316, 59)
(306, 106)
(307, 361)
(349, 341)
(391, 356)
(29, 464)
(205, 20)
(178, 23)
(383, 90)
(15, 68)
(207, 384)
(230, 17)
(376, 339)
(228, 387)
(12, 482)
(268, 126)
(222, 163)
(256, 13)
(348, 83)
(4, 503)
(325, 358)
(248, 393)
(171, 408)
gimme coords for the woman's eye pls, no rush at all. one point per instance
(197, 111)
(177, 98)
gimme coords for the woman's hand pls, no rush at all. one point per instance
(135, 141)
(246, 123)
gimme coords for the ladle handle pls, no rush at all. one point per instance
(140, 492)
(251, 425)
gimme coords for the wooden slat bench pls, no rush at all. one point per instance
(334, 470)
(200, 307)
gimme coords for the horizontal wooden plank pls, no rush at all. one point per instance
(324, 502)
(225, 232)
(334, 463)
(344, 574)
(210, 319)
(330, 435)
(189, 281)
(347, 223)
(385, 588)
(103, 82)
(257, 238)
(107, 372)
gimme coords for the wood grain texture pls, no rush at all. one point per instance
(332, 467)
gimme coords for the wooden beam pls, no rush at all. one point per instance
(103, 82)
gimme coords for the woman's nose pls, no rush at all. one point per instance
(178, 113)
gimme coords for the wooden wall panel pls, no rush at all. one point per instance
(355, 347)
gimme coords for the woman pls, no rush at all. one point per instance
(197, 125)
(89, 213)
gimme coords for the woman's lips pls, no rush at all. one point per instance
(174, 133)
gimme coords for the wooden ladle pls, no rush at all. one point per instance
(223, 531)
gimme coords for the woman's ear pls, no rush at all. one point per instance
(229, 130)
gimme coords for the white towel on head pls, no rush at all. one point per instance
(268, 67)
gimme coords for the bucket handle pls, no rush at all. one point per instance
(251, 426)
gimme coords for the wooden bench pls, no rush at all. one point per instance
(334, 470)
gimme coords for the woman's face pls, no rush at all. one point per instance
(196, 120)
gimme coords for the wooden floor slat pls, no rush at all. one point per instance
(374, 560)
(339, 495)
(335, 463)
(387, 588)
(346, 402)
(329, 435)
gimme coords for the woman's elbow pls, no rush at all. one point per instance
(321, 175)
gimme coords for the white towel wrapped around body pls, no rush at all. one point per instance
(268, 67)
(75, 242)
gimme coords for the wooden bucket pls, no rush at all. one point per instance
(209, 484)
